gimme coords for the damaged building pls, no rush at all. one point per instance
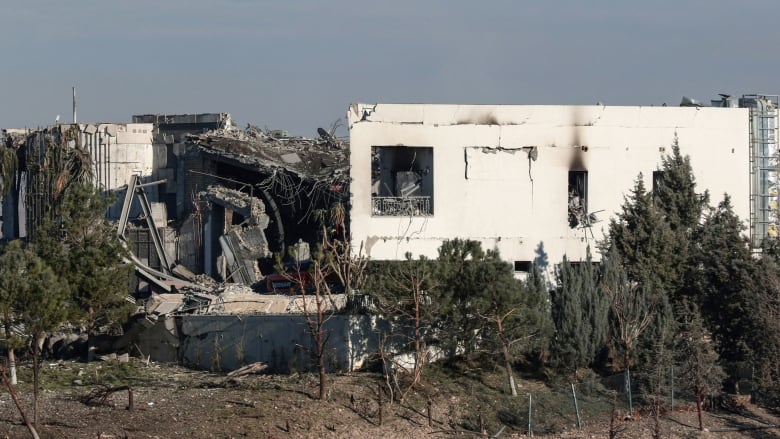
(195, 195)
(528, 180)
(202, 204)
(206, 206)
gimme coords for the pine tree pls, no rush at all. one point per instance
(723, 283)
(401, 291)
(539, 301)
(633, 308)
(8, 166)
(682, 207)
(84, 250)
(568, 346)
(676, 194)
(644, 241)
(766, 343)
(457, 282)
(34, 298)
(507, 308)
(579, 311)
(700, 369)
(13, 284)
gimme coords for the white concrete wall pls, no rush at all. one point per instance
(514, 208)
(119, 151)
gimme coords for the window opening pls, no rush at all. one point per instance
(658, 180)
(401, 181)
(523, 266)
(578, 198)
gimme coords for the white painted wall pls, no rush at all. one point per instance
(510, 207)
(119, 151)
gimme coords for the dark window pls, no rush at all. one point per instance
(401, 181)
(523, 266)
(578, 198)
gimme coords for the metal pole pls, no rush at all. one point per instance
(530, 433)
(628, 392)
(576, 407)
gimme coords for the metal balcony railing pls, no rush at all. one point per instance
(401, 206)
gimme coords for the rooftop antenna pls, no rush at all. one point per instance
(74, 104)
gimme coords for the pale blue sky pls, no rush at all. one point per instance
(296, 65)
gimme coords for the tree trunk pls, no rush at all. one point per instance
(90, 356)
(18, 404)
(321, 365)
(12, 366)
(507, 357)
(321, 346)
(698, 409)
(419, 355)
(11, 354)
(36, 387)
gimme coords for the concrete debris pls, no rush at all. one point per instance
(252, 303)
(578, 215)
(309, 159)
(234, 299)
(249, 207)
(243, 244)
(163, 304)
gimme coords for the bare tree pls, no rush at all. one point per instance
(700, 372)
(498, 318)
(333, 266)
(318, 307)
(401, 292)
(632, 305)
(342, 261)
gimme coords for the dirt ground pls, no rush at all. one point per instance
(174, 402)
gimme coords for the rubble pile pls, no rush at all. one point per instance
(309, 159)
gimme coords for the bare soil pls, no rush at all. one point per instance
(174, 402)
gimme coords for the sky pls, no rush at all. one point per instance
(297, 65)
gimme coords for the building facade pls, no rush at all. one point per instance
(529, 181)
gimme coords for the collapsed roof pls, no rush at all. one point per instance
(322, 159)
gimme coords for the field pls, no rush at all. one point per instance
(174, 402)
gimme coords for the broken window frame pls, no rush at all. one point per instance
(402, 181)
(577, 199)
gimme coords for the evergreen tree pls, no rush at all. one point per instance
(32, 297)
(457, 282)
(401, 291)
(700, 369)
(644, 241)
(633, 308)
(507, 309)
(676, 194)
(766, 342)
(682, 207)
(649, 250)
(568, 349)
(9, 163)
(540, 301)
(723, 283)
(84, 250)
(13, 285)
